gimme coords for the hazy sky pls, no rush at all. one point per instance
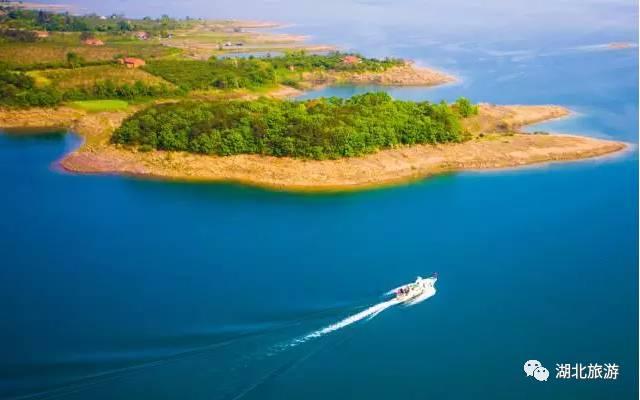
(488, 18)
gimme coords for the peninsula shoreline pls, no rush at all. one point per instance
(405, 164)
(498, 143)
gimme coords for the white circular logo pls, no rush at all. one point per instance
(541, 374)
(531, 366)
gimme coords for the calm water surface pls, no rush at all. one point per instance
(113, 287)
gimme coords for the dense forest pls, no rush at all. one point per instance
(326, 128)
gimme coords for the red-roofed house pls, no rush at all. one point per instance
(351, 60)
(142, 35)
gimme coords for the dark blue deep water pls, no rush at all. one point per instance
(118, 288)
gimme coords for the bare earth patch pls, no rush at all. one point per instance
(492, 118)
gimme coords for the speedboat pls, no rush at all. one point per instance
(412, 290)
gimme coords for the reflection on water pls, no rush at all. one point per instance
(29, 133)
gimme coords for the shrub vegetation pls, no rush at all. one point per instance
(317, 129)
(254, 73)
(229, 73)
(465, 108)
(302, 61)
(19, 89)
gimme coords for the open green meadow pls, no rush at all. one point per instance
(100, 105)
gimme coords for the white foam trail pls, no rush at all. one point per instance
(369, 312)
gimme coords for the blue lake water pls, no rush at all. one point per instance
(113, 287)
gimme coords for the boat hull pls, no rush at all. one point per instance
(412, 291)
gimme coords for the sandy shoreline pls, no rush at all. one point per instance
(494, 146)
(382, 168)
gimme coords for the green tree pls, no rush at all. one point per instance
(74, 60)
(465, 108)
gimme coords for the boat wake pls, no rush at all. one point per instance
(417, 293)
(407, 295)
(368, 313)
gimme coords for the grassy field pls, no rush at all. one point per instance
(65, 78)
(100, 105)
(54, 50)
(221, 74)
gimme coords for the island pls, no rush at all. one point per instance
(173, 99)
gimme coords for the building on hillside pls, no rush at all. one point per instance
(351, 60)
(142, 35)
(132, 62)
(93, 42)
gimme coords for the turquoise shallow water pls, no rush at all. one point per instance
(114, 287)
